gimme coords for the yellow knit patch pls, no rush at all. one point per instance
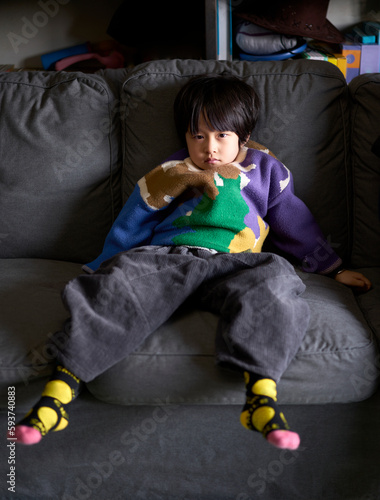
(284, 420)
(244, 241)
(245, 420)
(62, 425)
(264, 230)
(262, 416)
(64, 370)
(48, 417)
(58, 389)
(265, 387)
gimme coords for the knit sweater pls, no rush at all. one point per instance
(229, 210)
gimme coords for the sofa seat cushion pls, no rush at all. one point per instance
(176, 364)
(31, 309)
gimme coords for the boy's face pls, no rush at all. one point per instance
(211, 149)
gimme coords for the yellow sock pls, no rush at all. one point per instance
(50, 413)
(261, 412)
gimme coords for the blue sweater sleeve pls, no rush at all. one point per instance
(134, 225)
(132, 228)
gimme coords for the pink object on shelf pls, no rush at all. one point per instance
(113, 60)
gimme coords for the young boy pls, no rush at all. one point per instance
(195, 226)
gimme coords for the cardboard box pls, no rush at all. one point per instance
(352, 53)
(370, 59)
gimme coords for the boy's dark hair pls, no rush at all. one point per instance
(225, 102)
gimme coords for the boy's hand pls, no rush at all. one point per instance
(355, 280)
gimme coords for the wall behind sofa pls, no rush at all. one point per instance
(31, 28)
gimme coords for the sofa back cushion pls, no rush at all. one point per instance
(59, 166)
(365, 93)
(303, 121)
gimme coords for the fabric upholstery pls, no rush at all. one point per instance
(31, 310)
(60, 165)
(365, 93)
(177, 361)
(311, 143)
(146, 447)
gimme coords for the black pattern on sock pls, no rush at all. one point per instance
(50, 412)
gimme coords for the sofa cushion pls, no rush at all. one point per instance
(176, 364)
(59, 166)
(369, 302)
(303, 121)
(365, 92)
(31, 309)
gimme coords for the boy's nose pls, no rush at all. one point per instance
(211, 146)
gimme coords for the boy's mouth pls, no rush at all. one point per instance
(212, 161)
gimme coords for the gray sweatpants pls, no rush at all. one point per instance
(262, 322)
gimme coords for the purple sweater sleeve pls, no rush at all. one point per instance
(295, 231)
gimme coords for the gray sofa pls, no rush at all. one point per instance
(164, 423)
